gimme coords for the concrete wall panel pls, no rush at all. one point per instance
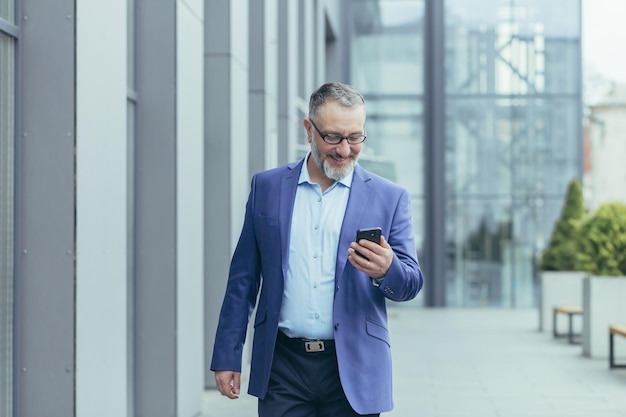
(44, 298)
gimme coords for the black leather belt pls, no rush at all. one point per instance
(306, 345)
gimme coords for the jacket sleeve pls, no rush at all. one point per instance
(240, 296)
(404, 279)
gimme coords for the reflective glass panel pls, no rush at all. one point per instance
(506, 47)
(7, 10)
(387, 48)
(513, 141)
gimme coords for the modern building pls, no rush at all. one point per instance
(129, 130)
(605, 174)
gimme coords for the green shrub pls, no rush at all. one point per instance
(562, 250)
(603, 243)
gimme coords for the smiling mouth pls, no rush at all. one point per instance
(339, 158)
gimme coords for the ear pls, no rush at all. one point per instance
(307, 128)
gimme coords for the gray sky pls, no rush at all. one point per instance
(604, 37)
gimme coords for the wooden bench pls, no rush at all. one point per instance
(571, 311)
(620, 330)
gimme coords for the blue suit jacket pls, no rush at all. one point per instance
(359, 312)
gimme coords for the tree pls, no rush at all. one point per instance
(561, 253)
(603, 243)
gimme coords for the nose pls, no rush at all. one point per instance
(343, 148)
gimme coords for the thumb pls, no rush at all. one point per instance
(384, 243)
(237, 383)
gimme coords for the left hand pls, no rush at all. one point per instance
(377, 259)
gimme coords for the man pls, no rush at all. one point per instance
(321, 345)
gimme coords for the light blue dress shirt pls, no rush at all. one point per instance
(307, 308)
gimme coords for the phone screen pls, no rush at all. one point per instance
(372, 234)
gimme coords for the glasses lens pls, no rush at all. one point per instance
(336, 139)
(356, 139)
(333, 139)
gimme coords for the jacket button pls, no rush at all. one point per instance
(336, 326)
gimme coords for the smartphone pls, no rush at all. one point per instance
(372, 234)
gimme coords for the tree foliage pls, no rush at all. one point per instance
(563, 248)
(603, 242)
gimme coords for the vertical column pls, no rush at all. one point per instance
(345, 40)
(155, 210)
(190, 207)
(102, 339)
(44, 298)
(308, 79)
(227, 179)
(9, 71)
(288, 120)
(434, 259)
(336, 30)
(263, 32)
(318, 18)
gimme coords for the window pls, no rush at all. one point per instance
(7, 11)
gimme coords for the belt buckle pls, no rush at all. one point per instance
(314, 346)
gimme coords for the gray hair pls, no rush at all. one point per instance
(343, 94)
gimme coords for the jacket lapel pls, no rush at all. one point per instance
(287, 196)
(357, 202)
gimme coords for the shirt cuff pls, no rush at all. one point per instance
(376, 281)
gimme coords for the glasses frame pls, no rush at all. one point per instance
(350, 138)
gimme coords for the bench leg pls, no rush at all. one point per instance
(611, 352)
(612, 363)
(570, 334)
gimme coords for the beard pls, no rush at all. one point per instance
(336, 174)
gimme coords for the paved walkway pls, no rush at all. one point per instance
(483, 363)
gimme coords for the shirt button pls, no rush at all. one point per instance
(319, 199)
(317, 316)
(317, 226)
(315, 285)
(315, 255)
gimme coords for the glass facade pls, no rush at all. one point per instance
(7, 10)
(512, 129)
(387, 43)
(513, 134)
(7, 153)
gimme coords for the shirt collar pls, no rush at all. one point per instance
(305, 177)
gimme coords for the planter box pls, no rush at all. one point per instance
(559, 288)
(604, 303)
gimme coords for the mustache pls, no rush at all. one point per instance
(335, 155)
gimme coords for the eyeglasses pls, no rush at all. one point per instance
(333, 139)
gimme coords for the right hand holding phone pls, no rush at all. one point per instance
(377, 258)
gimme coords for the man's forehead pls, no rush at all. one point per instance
(334, 107)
